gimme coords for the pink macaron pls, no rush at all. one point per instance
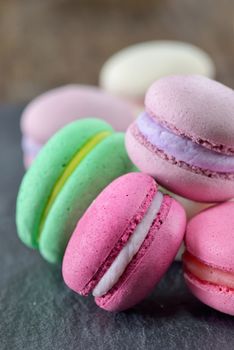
(124, 242)
(208, 259)
(185, 137)
(51, 111)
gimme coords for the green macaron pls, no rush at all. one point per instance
(76, 164)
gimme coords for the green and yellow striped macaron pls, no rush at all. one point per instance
(74, 166)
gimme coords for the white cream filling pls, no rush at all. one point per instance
(134, 243)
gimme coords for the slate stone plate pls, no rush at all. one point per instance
(37, 311)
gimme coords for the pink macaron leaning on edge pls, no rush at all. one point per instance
(124, 242)
(52, 110)
(184, 138)
(208, 259)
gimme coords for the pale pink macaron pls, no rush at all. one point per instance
(185, 137)
(52, 110)
(124, 243)
(208, 259)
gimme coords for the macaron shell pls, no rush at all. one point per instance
(132, 70)
(103, 224)
(39, 181)
(195, 106)
(152, 265)
(181, 181)
(107, 161)
(52, 110)
(217, 297)
(210, 236)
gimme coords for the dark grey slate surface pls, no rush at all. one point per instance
(37, 311)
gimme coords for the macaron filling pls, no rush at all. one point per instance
(181, 147)
(129, 250)
(69, 169)
(206, 273)
(30, 147)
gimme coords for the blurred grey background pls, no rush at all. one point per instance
(45, 43)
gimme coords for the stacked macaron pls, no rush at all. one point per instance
(124, 243)
(184, 138)
(49, 112)
(72, 168)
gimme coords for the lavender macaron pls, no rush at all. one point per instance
(185, 137)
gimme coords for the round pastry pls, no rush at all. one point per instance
(71, 169)
(185, 137)
(132, 70)
(52, 110)
(208, 259)
(124, 242)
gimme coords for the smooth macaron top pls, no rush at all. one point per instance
(114, 214)
(196, 107)
(210, 236)
(133, 69)
(50, 111)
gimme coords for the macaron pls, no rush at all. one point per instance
(131, 71)
(124, 243)
(77, 163)
(208, 259)
(49, 112)
(184, 138)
